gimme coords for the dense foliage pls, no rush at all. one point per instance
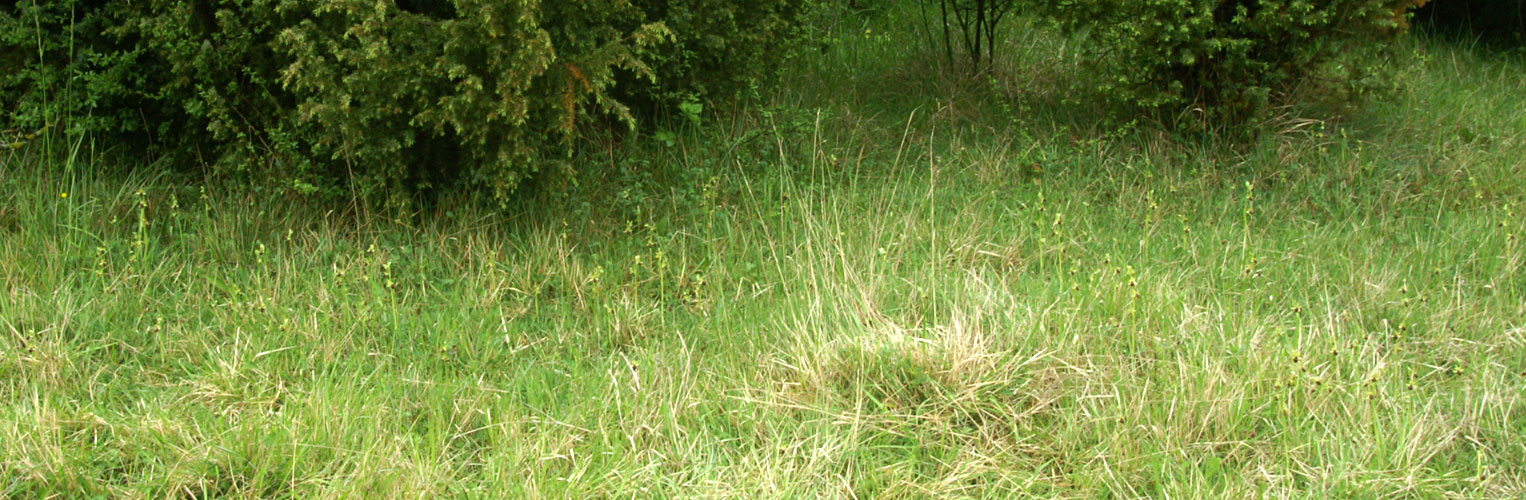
(1236, 61)
(379, 96)
(85, 77)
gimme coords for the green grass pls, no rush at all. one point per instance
(878, 285)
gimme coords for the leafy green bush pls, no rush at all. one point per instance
(1236, 61)
(382, 97)
(722, 48)
(57, 61)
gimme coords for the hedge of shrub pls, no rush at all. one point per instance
(1233, 62)
(379, 96)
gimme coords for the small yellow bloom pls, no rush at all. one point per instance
(63, 195)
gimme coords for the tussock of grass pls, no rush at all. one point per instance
(841, 298)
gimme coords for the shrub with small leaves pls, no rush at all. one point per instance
(721, 49)
(60, 68)
(484, 97)
(1237, 61)
(380, 98)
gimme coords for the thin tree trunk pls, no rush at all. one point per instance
(948, 43)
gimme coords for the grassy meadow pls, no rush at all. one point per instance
(874, 283)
